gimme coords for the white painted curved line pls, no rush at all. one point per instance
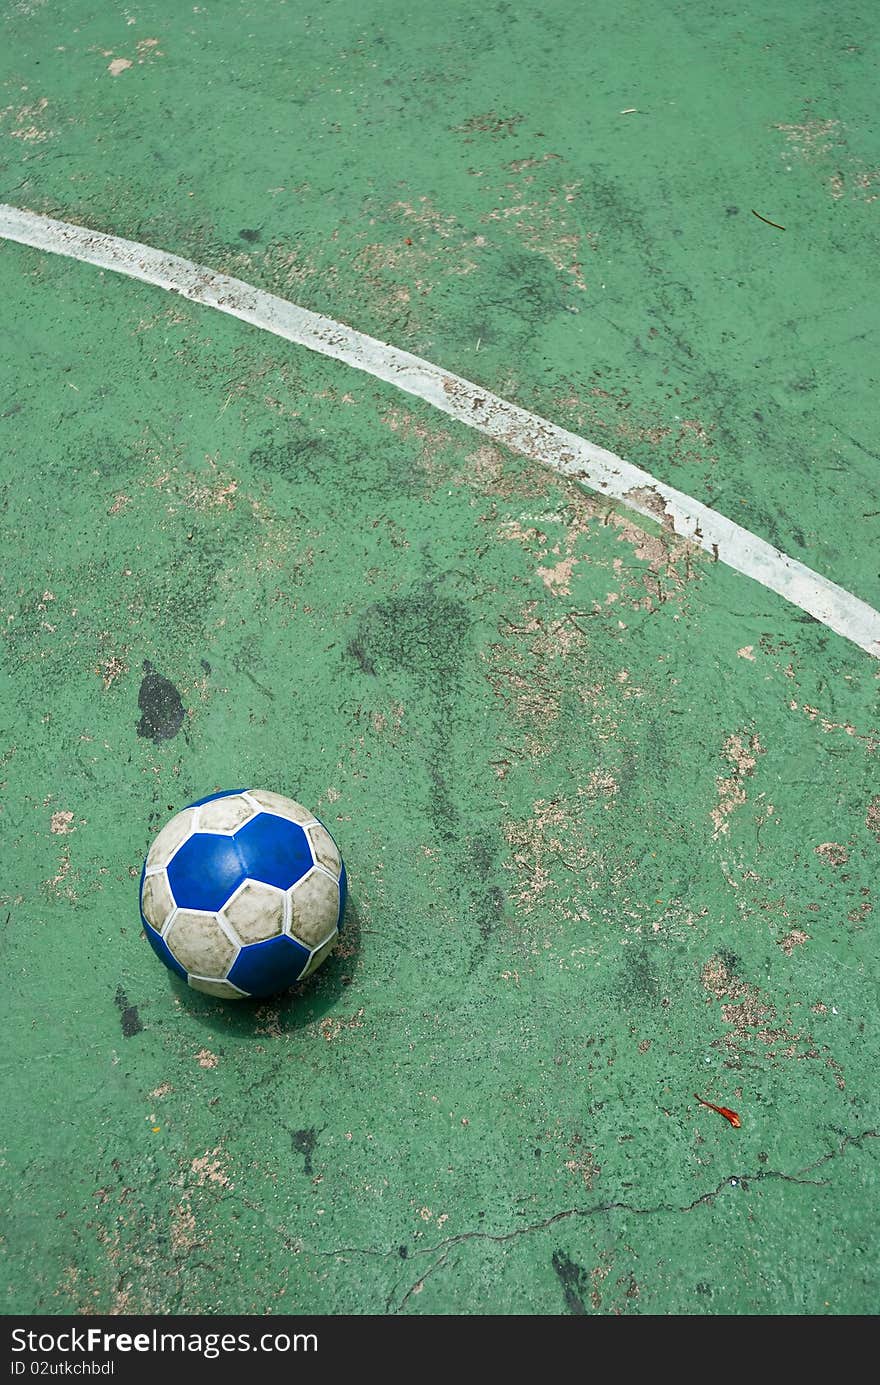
(505, 423)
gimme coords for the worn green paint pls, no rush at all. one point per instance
(517, 711)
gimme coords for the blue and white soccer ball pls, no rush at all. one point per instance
(243, 893)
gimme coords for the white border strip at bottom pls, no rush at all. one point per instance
(506, 423)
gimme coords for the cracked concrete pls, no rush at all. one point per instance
(396, 1303)
(740, 1180)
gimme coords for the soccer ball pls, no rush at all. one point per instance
(242, 893)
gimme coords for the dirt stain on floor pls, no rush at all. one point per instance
(161, 707)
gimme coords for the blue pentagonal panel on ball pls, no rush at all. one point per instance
(204, 872)
(343, 895)
(162, 950)
(273, 850)
(266, 968)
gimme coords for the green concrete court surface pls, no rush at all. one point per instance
(610, 811)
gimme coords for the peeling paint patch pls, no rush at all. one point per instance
(859, 185)
(750, 1016)
(812, 139)
(557, 579)
(600, 784)
(742, 1004)
(220, 494)
(110, 669)
(584, 1168)
(208, 1168)
(489, 123)
(647, 499)
(29, 121)
(555, 866)
(796, 938)
(742, 753)
(546, 227)
(183, 1228)
(832, 853)
(520, 165)
(534, 843)
(330, 1029)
